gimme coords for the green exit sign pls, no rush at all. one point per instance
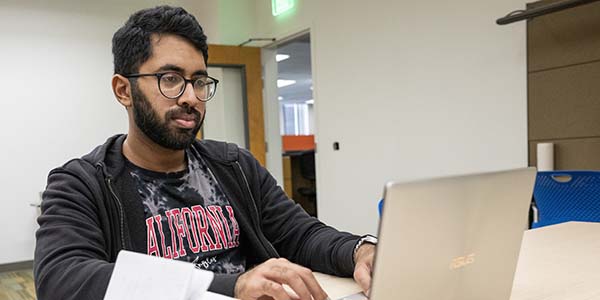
(280, 6)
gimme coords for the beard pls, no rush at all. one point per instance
(148, 121)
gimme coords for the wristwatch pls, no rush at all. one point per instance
(368, 239)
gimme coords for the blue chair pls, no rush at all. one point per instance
(562, 196)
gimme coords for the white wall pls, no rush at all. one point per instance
(410, 89)
(56, 97)
(236, 21)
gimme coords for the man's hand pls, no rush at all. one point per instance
(364, 266)
(267, 279)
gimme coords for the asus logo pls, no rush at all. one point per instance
(462, 261)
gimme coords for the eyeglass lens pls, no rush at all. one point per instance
(172, 85)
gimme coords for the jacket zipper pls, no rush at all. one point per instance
(110, 188)
(268, 244)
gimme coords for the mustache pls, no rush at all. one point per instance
(179, 112)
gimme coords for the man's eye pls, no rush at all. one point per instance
(203, 80)
(171, 78)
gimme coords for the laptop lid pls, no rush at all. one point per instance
(454, 238)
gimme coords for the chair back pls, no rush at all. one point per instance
(307, 165)
(562, 196)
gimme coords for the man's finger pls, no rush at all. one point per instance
(311, 282)
(287, 275)
(274, 289)
(362, 276)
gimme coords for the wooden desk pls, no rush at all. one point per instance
(556, 262)
(559, 262)
(337, 287)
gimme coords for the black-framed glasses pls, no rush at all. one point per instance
(172, 84)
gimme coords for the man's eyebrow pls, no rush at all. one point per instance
(170, 67)
(174, 68)
(200, 72)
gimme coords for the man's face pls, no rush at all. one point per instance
(170, 123)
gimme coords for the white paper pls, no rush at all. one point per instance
(545, 157)
(138, 276)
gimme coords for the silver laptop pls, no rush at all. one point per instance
(455, 238)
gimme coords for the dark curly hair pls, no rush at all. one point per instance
(131, 45)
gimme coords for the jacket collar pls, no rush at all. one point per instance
(109, 156)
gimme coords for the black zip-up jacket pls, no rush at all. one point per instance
(90, 211)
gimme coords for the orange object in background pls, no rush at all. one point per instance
(298, 142)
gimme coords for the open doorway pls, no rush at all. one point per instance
(296, 119)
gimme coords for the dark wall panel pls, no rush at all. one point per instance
(565, 103)
(564, 85)
(564, 38)
(576, 154)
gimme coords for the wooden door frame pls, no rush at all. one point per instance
(248, 59)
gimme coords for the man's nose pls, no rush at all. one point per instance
(188, 97)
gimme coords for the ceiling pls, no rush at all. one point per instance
(297, 67)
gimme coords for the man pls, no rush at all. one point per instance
(159, 191)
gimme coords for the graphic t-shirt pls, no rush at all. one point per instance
(188, 217)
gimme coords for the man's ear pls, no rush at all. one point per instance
(122, 89)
